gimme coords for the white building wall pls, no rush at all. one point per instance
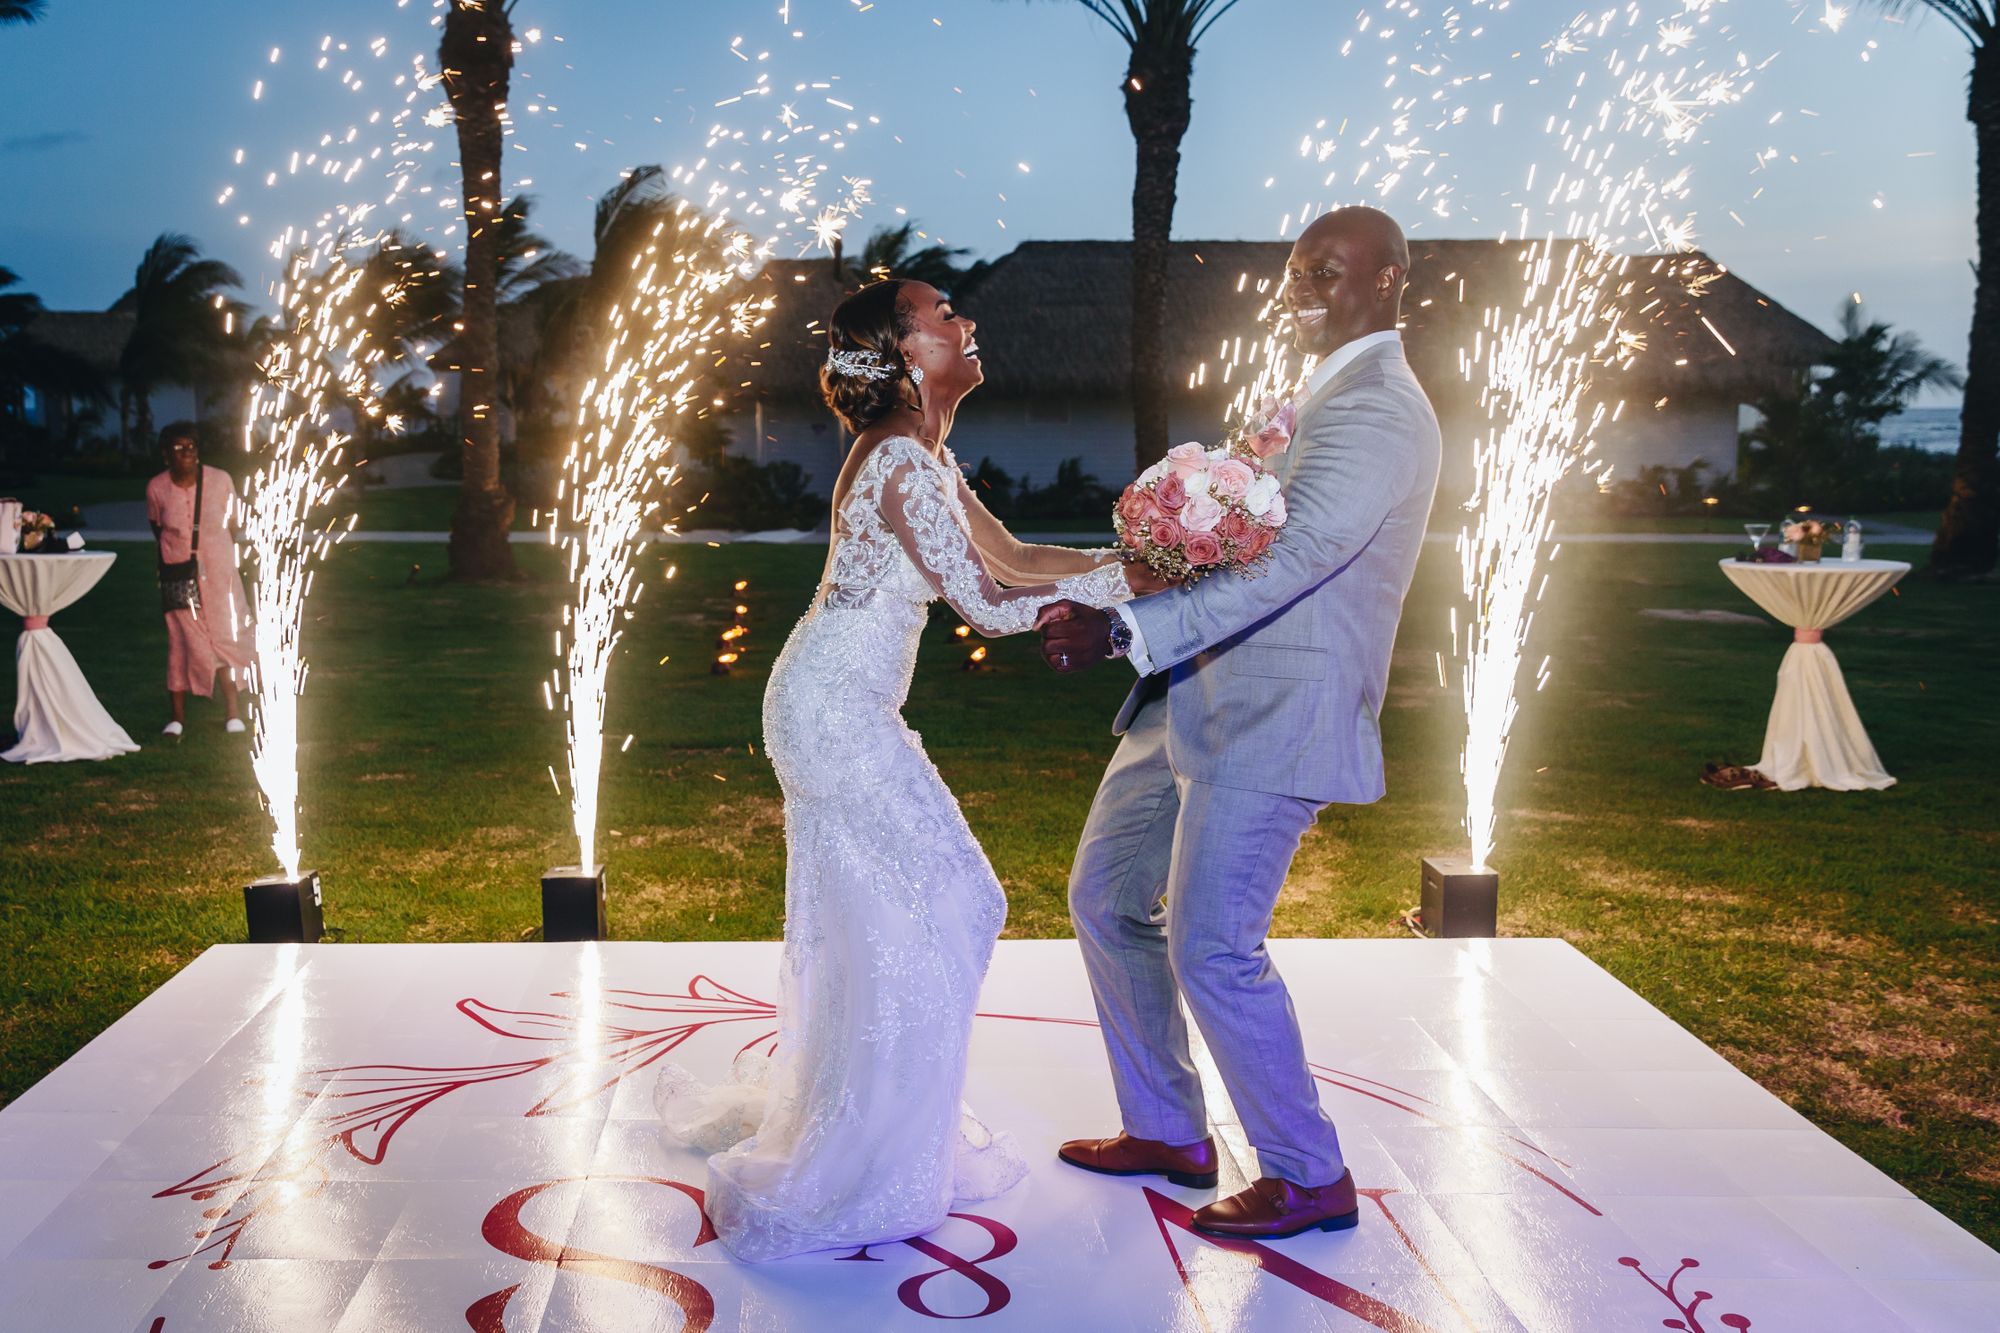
(1032, 446)
(1026, 445)
(1675, 436)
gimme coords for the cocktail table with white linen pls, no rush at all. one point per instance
(56, 717)
(1814, 737)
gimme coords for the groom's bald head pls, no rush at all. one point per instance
(1345, 277)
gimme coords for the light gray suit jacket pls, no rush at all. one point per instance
(1274, 682)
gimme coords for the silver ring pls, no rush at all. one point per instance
(1064, 659)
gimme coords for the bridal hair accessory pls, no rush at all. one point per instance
(858, 365)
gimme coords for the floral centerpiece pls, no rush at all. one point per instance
(1202, 509)
(1811, 534)
(35, 528)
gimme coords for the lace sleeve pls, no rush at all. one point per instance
(917, 505)
(1012, 560)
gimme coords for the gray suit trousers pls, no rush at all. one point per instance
(1171, 894)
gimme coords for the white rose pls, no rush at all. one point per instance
(1153, 473)
(1201, 513)
(1262, 491)
(1197, 485)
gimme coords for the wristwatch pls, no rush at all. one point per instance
(1120, 633)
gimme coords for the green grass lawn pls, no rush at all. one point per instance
(429, 509)
(1843, 949)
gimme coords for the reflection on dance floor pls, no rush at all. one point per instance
(369, 1138)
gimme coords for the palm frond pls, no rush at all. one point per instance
(21, 11)
(1154, 24)
(643, 188)
(1978, 21)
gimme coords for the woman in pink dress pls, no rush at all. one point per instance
(215, 634)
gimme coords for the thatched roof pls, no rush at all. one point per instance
(782, 359)
(95, 336)
(1054, 318)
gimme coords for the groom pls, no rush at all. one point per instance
(1257, 705)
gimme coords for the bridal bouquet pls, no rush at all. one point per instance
(1199, 510)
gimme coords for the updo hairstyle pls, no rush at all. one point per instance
(874, 319)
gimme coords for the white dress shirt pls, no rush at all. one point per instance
(1322, 375)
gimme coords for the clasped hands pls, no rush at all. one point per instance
(1076, 637)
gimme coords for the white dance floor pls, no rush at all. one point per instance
(373, 1138)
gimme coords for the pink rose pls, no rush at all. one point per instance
(1203, 549)
(1202, 513)
(1133, 504)
(1164, 532)
(1171, 493)
(1132, 539)
(1275, 515)
(1234, 529)
(1258, 542)
(1187, 459)
(1230, 479)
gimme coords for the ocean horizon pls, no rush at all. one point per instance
(1933, 429)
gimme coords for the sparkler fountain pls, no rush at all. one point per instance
(661, 341)
(1537, 375)
(320, 359)
(1668, 68)
(1536, 369)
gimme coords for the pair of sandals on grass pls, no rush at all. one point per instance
(1735, 777)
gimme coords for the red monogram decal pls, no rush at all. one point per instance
(357, 1110)
(506, 1232)
(911, 1293)
(1687, 1305)
(1340, 1078)
(1309, 1280)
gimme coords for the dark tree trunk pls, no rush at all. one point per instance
(1968, 539)
(477, 54)
(1158, 105)
(142, 418)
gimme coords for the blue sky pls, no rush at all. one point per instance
(119, 119)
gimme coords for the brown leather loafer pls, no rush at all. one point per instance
(1192, 1166)
(1272, 1209)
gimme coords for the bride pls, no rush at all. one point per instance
(855, 1133)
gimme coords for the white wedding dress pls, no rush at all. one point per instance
(853, 1132)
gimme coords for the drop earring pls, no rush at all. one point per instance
(917, 376)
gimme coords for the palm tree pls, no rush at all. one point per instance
(476, 54)
(1162, 36)
(527, 259)
(180, 333)
(413, 303)
(17, 309)
(561, 313)
(21, 11)
(1820, 439)
(1873, 373)
(537, 284)
(892, 252)
(1968, 539)
(27, 362)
